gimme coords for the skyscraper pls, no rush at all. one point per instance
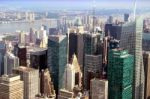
(146, 61)
(98, 89)
(2, 53)
(38, 58)
(92, 68)
(69, 78)
(126, 17)
(120, 74)
(11, 87)
(30, 77)
(57, 58)
(21, 51)
(113, 31)
(76, 46)
(46, 85)
(10, 62)
(131, 39)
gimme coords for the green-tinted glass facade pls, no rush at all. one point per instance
(57, 60)
(120, 74)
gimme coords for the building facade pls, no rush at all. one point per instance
(57, 58)
(98, 89)
(146, 61)
(120, 74)
(30, 77)
(11, 87)
(131, 39)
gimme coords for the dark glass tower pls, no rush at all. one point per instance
(57, 58)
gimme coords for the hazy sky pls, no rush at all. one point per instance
(72, 4)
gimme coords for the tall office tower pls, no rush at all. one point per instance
(22, 39)
(21, 51)
(43, 37)
(92, 68)
(30, 77)
(98, 89)
(146, 61)
(69, 77)
(113, 30)
(110, 19)
(11, 87)
(46, 85)
(126, 17)
(53, 31)
(76, 46)
(92, 43)
(120, 74)
(32, 37)
(10, 62)
(57, 58)
(2, 53)
(131, 39)
(38, 58)
(145, 41)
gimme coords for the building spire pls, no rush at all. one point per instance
(134, 10)
(94, 6)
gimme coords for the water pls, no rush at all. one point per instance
(25, 26)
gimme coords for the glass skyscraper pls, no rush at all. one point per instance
(57, 58)
(131, 39)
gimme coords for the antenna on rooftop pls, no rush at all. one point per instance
(134, 10)
(94, 6)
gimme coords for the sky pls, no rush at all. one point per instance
(74, 4)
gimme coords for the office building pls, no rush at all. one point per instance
(110, 19)
(38, 58)
(20, 51)
(131, 39)
(57, 58)
(92, 69)
(10, 62)
(46, 85)
(2, 53)
(30, 77)
(11, 87)
(76, 46)
(146, 61)
(120, 74)
(69, 77)
(113, 30)
(98, 89)
(92, 43)
(145, 41)
(22, 38)
(126, 17)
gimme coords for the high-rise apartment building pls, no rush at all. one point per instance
(57, 58)
(98, 89)
(131, 39)
(120, 74)
(11, 87)
(30, 77)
